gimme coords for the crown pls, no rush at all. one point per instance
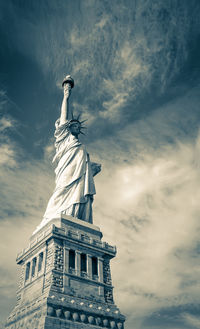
(73, 120)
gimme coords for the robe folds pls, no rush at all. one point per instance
(74, 190)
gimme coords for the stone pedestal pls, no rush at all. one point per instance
(65, 280)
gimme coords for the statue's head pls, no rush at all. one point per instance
(75, 127)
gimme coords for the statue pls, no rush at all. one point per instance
(74, 190)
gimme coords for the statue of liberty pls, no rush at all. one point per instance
(74, 190)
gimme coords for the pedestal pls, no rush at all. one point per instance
(65, 280)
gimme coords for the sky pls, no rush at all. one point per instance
(136, 68)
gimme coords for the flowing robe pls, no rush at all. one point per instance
(73, 194)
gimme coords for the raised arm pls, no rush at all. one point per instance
(66, 112)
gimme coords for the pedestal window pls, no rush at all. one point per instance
(27, 273)
(94, 266)
(83, 263)
(34, 262)
(40, 261)
(71, 259)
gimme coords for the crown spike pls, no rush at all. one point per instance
(83, 121)
(78, 117)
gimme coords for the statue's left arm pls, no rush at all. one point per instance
(96, 168)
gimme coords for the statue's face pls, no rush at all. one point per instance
(75, 128)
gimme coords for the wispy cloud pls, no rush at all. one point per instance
(150, 207)
(131, 75)
(118, 53)
(7, 125)
(140, 60)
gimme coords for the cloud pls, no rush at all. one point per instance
(151, 208)
(7, 125)
(192, 320)
(121, 54)
(131, 75)
(136, 64)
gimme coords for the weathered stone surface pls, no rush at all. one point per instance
(67, 315)
(105, 322)
(98, 321)
(112, 324)
(83, 317)
(91, 319)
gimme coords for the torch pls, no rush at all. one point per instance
(68, 80)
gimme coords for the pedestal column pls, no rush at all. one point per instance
(100, 274)
(66, 268)
(89, 266)
(78, 263)
(100, 269)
